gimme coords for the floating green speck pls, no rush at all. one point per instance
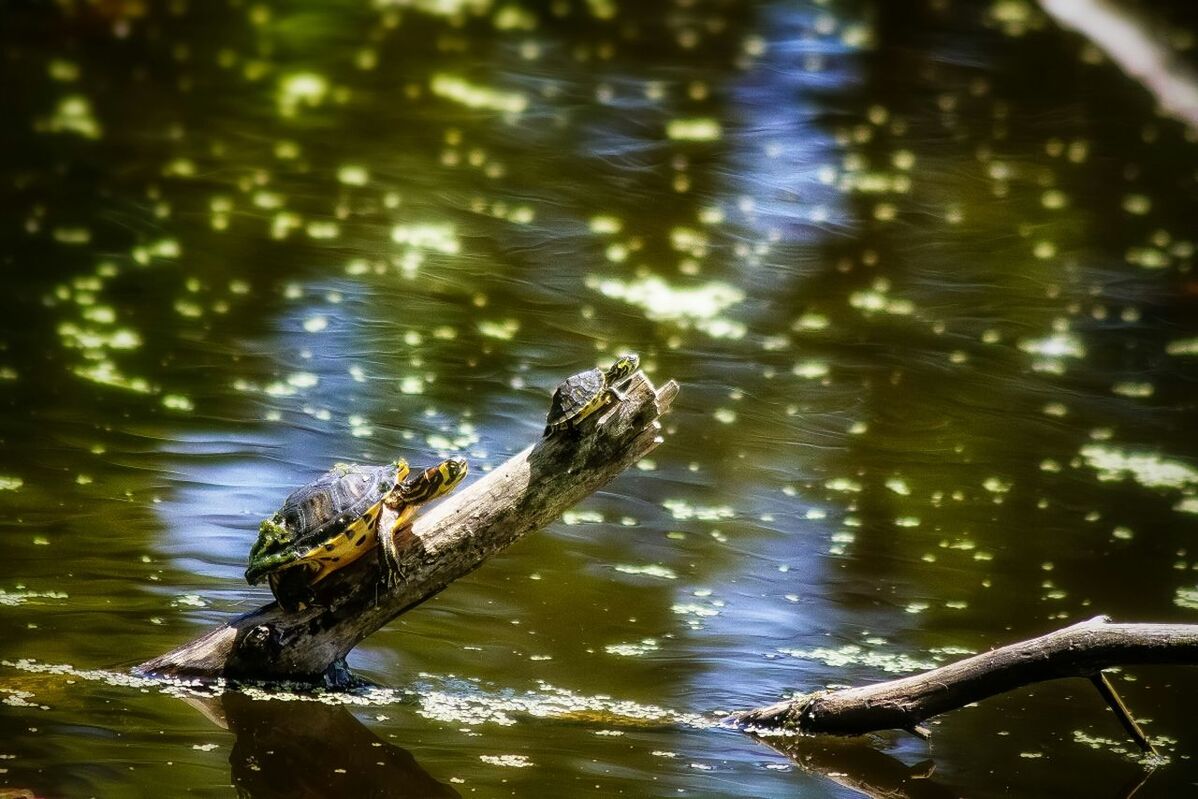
(503, 329)
(1184, 346)
(353, 175)
(74, 115)
(177, 402)
(301, 89)
(434, 237)
(473, 95)
(637, 649)
(699, 129)
(650, 570)
(683, 510)
(1186, 598)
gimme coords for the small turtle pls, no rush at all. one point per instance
(332, 521)
(582, 394)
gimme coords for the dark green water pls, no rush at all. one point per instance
(923, 270)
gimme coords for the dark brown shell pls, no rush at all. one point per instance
(574, 394)
(336, 498)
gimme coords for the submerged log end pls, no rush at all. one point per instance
(784, 716)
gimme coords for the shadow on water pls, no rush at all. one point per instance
(311, 750)
(859, 765)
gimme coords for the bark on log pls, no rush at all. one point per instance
(452, 539)
(1081, 650)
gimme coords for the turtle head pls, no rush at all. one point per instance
(401, 469)
(275, 547)
(624, 366)
(435, 481)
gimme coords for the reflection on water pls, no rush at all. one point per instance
(309, 749)
(924, 272)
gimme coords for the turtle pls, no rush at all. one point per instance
(582, 394)
(332, 521)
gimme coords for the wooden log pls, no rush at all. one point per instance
(1129, 35)
(452, 539)
(1080, 650)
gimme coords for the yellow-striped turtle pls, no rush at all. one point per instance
(332, 521)
(582, 394)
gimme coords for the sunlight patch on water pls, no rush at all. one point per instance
(10, 483)
(856, 655)
(450, 441)
(1060, 345)
(106, 373)
(501, 329)
(1150, 470)
(700, 307)
(1014, 17)
(442, 238)
(650, 570)
(473, 95)
(605, 225)
(581, 517)
(21, 596)
(878, 300)
(353, 175)
(1137, 204)
(73, 115)
(695, 612)
(91, 339)
(682, 510)
(1130, 389)
(301, 90)
(178, 402)
(471, 706)
(1124, 749)
(810, 370)
(62, 70)
(163, 248)
(1186, 598)
(506, 761)
(1184, 346)
(636, 649)
(700, 129)
(72, 235)
(322, 229)
(811, 322)
(844, 485)
(440, 8)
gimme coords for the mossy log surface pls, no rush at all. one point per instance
(453, 538)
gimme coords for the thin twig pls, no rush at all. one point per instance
(1121, 712)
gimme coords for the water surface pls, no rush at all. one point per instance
(923, 270)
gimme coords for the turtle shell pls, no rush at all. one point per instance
(574, 394)
(335, 499)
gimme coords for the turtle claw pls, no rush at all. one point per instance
(390, 573)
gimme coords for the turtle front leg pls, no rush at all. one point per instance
(616, 394)
(392, 572)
